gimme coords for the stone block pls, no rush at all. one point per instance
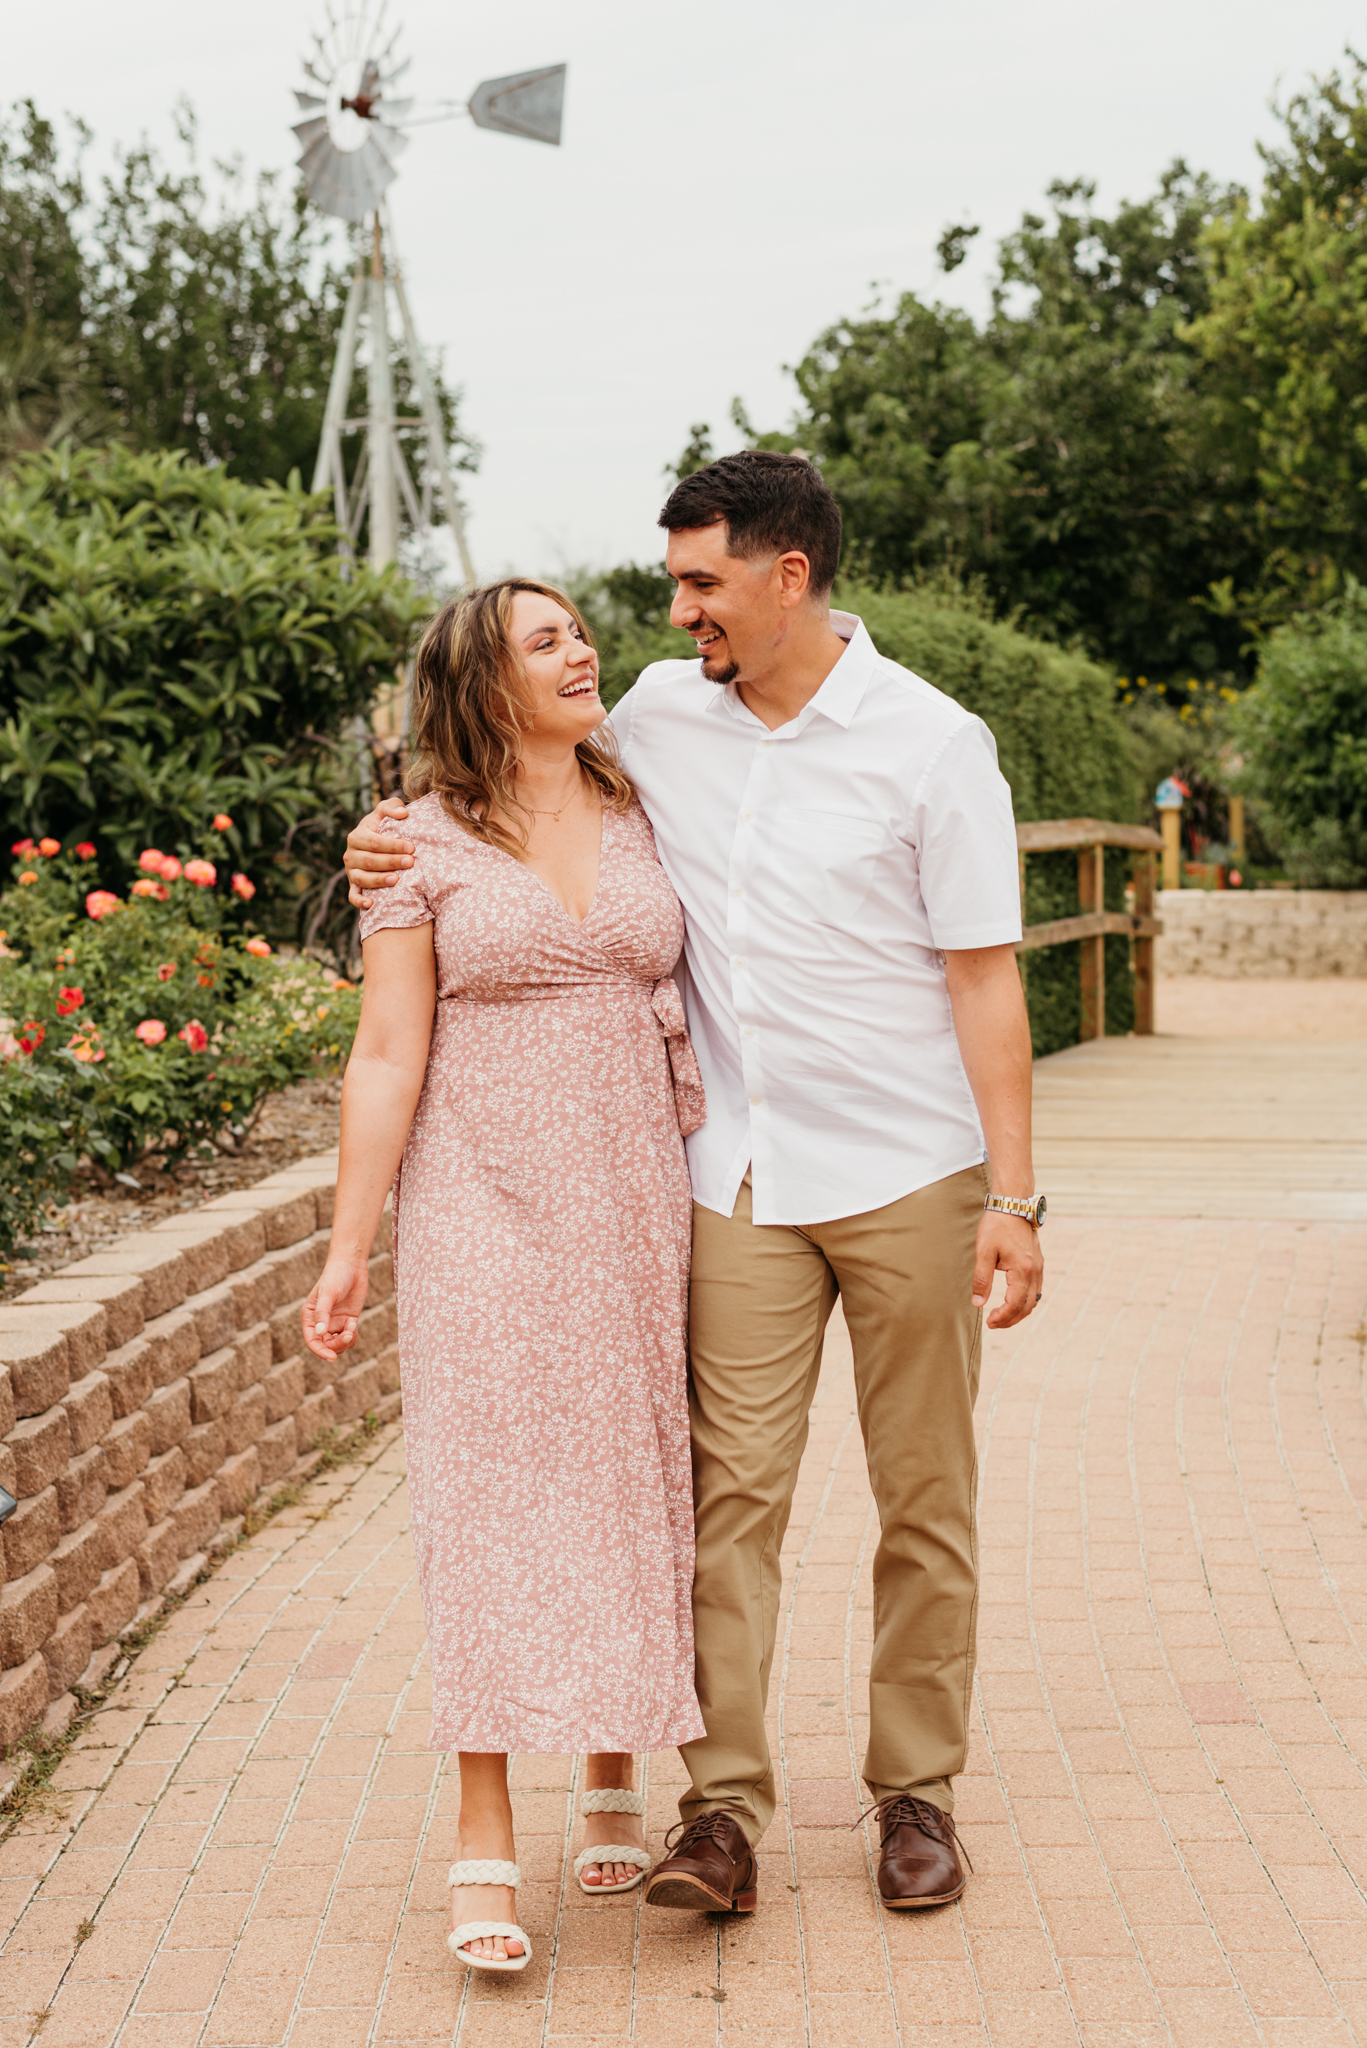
(205, 1447)
(28, 1614)
(277, 1450)
(213, 1385)
(322, 1372)
(41, 1445)
(315, 1413)
(246, 1419)
(204, 1246)
(89, 1407)
(67, 1651)
(162, 1270)
(9, 1478)
(23, 1699)
(255, 1294)
(120, 1296)
(157, 1556)
(298, 1267)
(127, 1447)
(254, 1355)
(174, 1344)
(239, 1223)
(113, 1601)
(357, 1390)
(122, 1523)
(285, 1329)
(284, 1389)
(168, 1415)
(236, 1481)
(36, 1351)
(81, 1489)
(164, 1481)
(388, 1363)
(7, 1414)
(129, 1373)
(32, 1533)
(77, 1561)
(197, 1517)
(376, 1329)
(381, 1268)
(215, 1317)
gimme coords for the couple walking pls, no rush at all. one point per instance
(803, 856)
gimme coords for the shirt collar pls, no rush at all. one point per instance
(839, 696)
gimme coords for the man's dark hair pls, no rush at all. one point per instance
(770, 503)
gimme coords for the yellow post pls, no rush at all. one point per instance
(1236, 826)
(1172, 849)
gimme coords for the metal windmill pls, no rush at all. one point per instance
(355, 127)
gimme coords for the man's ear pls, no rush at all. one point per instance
(795, 577)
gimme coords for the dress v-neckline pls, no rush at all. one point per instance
(576, 923)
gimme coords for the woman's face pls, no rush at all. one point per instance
(561, 669)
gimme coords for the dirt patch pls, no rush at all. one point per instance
(292, 1125)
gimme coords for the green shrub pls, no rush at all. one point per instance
(175, 643)
(151, 1022)
(1302, 730)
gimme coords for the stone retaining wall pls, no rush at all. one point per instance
(146, 1394)
(1263, 934)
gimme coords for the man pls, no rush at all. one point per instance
(842, 842)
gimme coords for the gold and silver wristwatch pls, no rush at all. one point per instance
(1031, 1207)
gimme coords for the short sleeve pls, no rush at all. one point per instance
(966, 838)
(406, 904)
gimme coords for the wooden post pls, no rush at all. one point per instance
(1172, 849)
(1145, 891)
(1091, 893)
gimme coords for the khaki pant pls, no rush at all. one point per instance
(761, 1297)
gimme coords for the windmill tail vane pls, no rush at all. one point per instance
(352, 134)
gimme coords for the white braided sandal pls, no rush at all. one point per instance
(486, 1870)
(611, 1800)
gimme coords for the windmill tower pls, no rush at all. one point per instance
(356, 125)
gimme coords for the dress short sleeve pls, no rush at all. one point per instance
(406, 903)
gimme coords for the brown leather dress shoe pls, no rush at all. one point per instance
(922, 1863)
(710, 1868)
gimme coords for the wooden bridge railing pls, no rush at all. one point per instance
(1091, 836)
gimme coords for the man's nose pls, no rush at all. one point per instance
(684, 612)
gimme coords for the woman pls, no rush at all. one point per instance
(522, 1063)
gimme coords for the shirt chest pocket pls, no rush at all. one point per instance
(826, 862)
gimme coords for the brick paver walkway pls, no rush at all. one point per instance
(1165, 1803)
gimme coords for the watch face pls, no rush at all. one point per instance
(1041, 1209)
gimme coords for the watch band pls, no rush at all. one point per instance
(1031, 1207)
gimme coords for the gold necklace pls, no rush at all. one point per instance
(552, 814)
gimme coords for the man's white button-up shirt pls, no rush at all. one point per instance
(824, 870)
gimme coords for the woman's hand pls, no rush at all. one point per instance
(329, 1315)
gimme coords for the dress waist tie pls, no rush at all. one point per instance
(689, 1098)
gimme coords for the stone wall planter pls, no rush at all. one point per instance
(1263, 934)
(147, 1394)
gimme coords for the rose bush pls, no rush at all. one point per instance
(151, 1021)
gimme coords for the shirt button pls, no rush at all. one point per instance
(754, 1102)
(750, 1031)
(735, 889)
(738, 959)
(747, 815)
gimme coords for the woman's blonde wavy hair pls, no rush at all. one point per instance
(471, 707)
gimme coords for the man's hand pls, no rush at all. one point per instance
(1010, 1245)
(372, 860)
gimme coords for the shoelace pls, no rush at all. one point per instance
(903, 1808)
(706, 1828)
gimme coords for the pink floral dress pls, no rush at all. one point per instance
(542, 1229)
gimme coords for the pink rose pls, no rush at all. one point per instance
(151, 1031)
(27, 876)
(150, 860)
(69, 999)
(202, 872)
(243, 888)
(166, 970)
(99, 903)
(22, 846)
(85, 851)
(259, 948)
(48, 847)
(222, 822)
(145, 886)
(170, 868)
(195, 1036)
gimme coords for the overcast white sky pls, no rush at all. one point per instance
(734, 177)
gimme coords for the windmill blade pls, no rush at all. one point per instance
(528, 103)
(308, 101)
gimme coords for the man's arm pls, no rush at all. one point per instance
(993, 1031)
(372, 859)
